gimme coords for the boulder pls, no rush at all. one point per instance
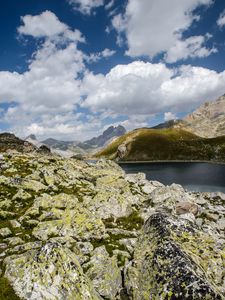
(185, 207)
(171, 262)
(104, 273)
(122, 151)
(43, 149)
(51, 272)
(4, 232)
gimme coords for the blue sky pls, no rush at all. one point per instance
(70, 68)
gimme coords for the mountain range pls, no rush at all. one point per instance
(69, 148)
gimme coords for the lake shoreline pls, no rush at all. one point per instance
(169, 161)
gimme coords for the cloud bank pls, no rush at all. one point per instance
(140, 88)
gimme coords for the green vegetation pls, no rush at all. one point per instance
(6, 291)
(166, 144)
(133, 221)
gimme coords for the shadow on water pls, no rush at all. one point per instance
(203, 177)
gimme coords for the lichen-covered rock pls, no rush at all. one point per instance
(104, 273)
(169, 262)
(60, 201)
(79, 223)
(34, 185)
(14, 223)
(129, 244)
(4, 232)
(52, 272)
(221, 224)
(14, 241)
(85, 247)
(121, 151)
(21, 194)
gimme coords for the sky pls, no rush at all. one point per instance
(71, 68)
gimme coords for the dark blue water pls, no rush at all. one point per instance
(202, 177)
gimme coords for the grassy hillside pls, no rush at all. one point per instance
(166, 144)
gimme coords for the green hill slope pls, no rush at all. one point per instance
(164, 144)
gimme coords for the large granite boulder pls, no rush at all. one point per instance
(174, 260)
(51, 272)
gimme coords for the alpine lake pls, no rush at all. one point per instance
(193, 176)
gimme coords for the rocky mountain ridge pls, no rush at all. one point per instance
(208, 120)
(75, 230)
(10, 141)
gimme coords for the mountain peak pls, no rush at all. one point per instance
(115, 130)
(108, 134)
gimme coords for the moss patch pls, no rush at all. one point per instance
(6, 291)
(133, 221)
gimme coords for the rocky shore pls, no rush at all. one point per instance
(70, 229)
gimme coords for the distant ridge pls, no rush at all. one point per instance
(89, 145)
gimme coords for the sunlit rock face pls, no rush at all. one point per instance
(70, 229)
(208, 120)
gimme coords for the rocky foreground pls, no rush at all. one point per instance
(74, 230)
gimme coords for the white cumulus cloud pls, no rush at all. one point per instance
(152, 27)
(51, 85)
(48, 25)
(44, 99)
(168, 116)
(191, 47)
